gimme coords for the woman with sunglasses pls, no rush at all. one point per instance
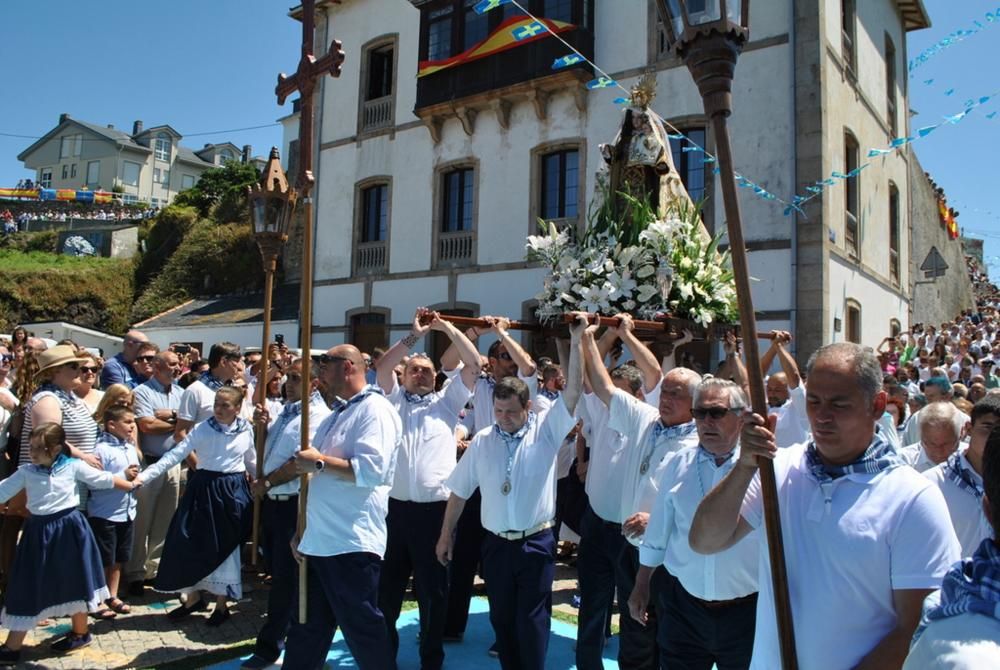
(90, 375)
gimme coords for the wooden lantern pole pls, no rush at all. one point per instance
(304, 81)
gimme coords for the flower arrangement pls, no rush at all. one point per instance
(636, 263)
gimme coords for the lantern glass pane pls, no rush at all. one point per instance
(701, 12)
(259, 212)
(275, 210)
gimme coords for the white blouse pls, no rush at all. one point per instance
(231, 451)
(52, 490)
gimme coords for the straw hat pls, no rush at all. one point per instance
(60, 354)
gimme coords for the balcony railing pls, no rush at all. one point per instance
(377, 114)
(370, 258)
(455, 248)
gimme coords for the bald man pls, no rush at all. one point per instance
(120, 370)
(352, 461)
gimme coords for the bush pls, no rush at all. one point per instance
(211, 259)
(45, 240)
(162, 236)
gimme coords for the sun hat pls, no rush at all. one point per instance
(61, 354)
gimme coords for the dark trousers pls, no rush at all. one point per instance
(469, 535)
(637, 648)
(601, 545)
(518, 578)
(279, 521)
(413, 530)
(342, 591)
(694, 636)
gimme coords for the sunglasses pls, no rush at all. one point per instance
(327, 358)
(145, 359)
(716, 413)
(504, 356)
(6, 358)
(90, 369)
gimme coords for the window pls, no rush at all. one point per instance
(439, 23)
(165, 179)
(848, 20)
(477, 26)
(130, 199)
(369, 331)
(560, 185)
(70, 145)
(225, 156)
(456, 210)
(380, 79)
(72, 171)
(187, 181)
(894, 234)
(65, 172)
(852, 313)
(162, 147)
(559, 10)
(130, 173)
(378, 86)
(45, 178)
(156, 175)
(690, 164)
(852, 197)
(93, 173)
(375, 213)
(890, 85)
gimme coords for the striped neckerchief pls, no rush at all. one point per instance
(971, 586)
(238, 425)
(961, 476)
(211, 381)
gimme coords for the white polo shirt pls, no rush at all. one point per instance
(197, 403)
(689, 474)
(793, 423)
(878, 533)
(531, 499)
(427, 451)
(635, 419)
(284, 439)
(482, 396)
(915, 456)
(966, 510)
(342, 516)
(608, 459)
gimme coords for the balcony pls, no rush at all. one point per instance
(370, 258)
(456, 249)
(377, 114)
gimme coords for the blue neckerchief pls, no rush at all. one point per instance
(415, 399)
(680, 430)
(113, 440)
(339, 407)
(488, 378)
(61, 461)
(211, 381)
(972, 585)
(961, 476)
(516, 437)
(551, 395)
(880, 455)
(236, 427)
(706, 455)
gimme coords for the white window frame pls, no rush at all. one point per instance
(161, 147)
(187, 181)
(95, 168)
(138, 173)
(45, 177)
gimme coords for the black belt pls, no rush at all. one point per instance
(282, 497)
(719, 604)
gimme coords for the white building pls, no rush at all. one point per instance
(427, 186)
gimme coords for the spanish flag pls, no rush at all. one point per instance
(513, 32)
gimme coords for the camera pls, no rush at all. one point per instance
(182, 348)
(279, 339)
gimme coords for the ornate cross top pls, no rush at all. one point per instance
(304, 81)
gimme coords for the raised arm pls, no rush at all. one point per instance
(471, 362)
(574, 374)
(384, 369)
(451, 357)
(597, 374)
(768, 356)
(733, 369)
(669, 361)
(785, 359)
(644, 358)
(525, 365)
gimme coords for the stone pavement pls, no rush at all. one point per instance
(146, 638)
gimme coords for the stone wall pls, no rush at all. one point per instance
(943, 298)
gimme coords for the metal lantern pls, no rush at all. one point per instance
(685, 19)
(272, 203)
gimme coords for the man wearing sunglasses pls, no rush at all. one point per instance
(650, 434)
(418, 496)
(700, 596)
(121, 368)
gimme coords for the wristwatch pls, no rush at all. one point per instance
(267, 483)
(320, 464)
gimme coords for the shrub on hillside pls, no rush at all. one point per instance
(163, 236)
(45, 240)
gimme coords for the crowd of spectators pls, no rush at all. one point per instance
(19, 215)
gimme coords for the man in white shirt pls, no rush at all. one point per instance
(709, 602)
(419, 496)
(866, 538)
(935, 389)
(513, 463)
(351, 462)
(942, 426)
(786, 394)
(278, 488)
(651, 433)
(960, 626)
(224, 363)
(601, 539)
(960, 477)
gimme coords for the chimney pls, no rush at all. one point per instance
(247, 150)
(111, 126)
(136, 128)
(207, 145)
(63, 118)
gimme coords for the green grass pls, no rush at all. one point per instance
(24, 261)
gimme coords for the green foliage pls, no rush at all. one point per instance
(38, 286)
(221, 192)
(162, 236)
(45, 240)
(211, 259)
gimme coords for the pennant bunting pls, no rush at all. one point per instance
(566, 61)
(487, 5)
(533, 29)
(601, 82)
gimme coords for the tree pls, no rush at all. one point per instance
(221, 192)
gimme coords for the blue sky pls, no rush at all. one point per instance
(211, 65)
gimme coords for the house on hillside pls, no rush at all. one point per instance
(147, 165)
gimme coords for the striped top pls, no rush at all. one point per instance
(81, 429)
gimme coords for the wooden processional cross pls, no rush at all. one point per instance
(304, 81)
